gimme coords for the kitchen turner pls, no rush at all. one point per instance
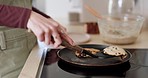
(77, 48)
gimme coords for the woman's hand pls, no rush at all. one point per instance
(47, 30)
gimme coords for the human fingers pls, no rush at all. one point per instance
(48, 28)
(63, 34)
(47, 34)
(50, 24)
(57, 25)
(56, 37)
(54, 26)
(67, 38)
(44, 31)
(40, 26)
(36, 30)
(53, 22)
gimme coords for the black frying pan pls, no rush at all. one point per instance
(114, 70)
(69, 56)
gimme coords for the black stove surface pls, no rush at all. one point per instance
(136, 67)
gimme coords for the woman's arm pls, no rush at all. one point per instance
(44, 27)
(13, 16)
(38, 11)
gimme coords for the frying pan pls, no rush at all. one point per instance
(114, 70)
(69, 56)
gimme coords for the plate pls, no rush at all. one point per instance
(70, 57)
(79, 37)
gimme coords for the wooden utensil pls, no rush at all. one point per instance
(93, 11)
(77, 48)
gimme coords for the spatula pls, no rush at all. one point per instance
(77, 48)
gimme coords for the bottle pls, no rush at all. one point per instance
(74, 11)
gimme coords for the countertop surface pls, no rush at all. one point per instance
(33, 63)
(141, 42)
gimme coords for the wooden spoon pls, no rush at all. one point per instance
(93, 11)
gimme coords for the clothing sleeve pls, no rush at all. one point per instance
(16, 13)
(41, 13)
(13, 16)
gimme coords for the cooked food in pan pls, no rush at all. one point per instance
(114, 51)
(92, 50)
(111, 50)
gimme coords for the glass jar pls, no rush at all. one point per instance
(118, 7)
(122, 24)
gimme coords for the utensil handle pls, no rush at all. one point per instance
(69, 46)
(93, 11)
(77, 48)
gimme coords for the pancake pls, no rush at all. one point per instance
(92, 50)
(114, 51)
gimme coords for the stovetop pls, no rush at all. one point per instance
(136, 67)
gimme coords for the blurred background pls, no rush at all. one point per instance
(73, 12)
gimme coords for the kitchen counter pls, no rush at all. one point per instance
(35, 61)
(96, 39)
